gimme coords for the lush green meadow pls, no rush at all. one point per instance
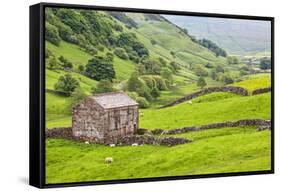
(209, 153)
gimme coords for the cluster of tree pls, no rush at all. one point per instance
(66, 83)
(93, 31)
(232, 60)
(265, 63)
(100, 68)
(210, 45)
(219, 74)
(123, 18)
(54, 64)
(201, 71)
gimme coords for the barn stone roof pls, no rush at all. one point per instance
(114, 100)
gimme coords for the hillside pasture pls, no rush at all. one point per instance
(208, 153)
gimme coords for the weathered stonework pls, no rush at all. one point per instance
(261, 91)
(105, 116)
(260, 123)
(231, 89)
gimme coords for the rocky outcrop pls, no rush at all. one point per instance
(231, 89)
(260, 123)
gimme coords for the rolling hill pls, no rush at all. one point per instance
(237, 36)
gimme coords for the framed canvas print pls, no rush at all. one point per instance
(122, 95)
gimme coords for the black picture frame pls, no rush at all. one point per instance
(37, 94)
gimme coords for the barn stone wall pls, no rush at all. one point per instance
(121, 121)
(88, 120)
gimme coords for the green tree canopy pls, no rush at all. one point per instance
(103, 86)
(201, 82)
(66, 83)
(99, 68)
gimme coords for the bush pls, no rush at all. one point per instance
(155, 93)
(81, 68)
(76, 96)
(265, 64)
(53, 63)
(167, 74)
(66, 64)
(48, 53)
(201, 82)
(219, 69)
(121, 53)
(153, 42)
(52, 34)
(160, 83)
(232, 60)
(99, 68)
(66, 84)
(227, 79)
(200, 71)
(143, 103)
(149, 81)
(103, 86)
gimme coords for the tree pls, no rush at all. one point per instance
(265, 63)
(201, 82)
(200, 71)
(66, 64)
(103, 86)
(167, 74)
(53, 63)
(227, 79)
(66, 83)
(99, 68)
(155, 93)
(219, 69)
(213, 74)
(121, 53)
(76, 96)
(81, 68)
(52, 34)
(232, 60)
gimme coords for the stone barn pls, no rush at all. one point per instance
(104, 117)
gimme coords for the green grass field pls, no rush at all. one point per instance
(209, 153)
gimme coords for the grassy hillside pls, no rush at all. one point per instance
(209, 153)
(207, 112)
(254, 82)
(237, 36)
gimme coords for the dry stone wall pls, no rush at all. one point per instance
(260, 123)
(261, 91)
(231, 89)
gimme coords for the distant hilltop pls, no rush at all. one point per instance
(237, 36)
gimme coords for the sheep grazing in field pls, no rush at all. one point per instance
(112, 145)
(189, 102)
(135, 144)
(87, 142)
(141, 114)
(108, 160)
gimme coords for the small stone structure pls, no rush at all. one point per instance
(105, 117)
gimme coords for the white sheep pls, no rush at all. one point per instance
(189, 102)
(112, 145)
(108, 160)
(87, 142)
(135, 144)
(141, 114)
